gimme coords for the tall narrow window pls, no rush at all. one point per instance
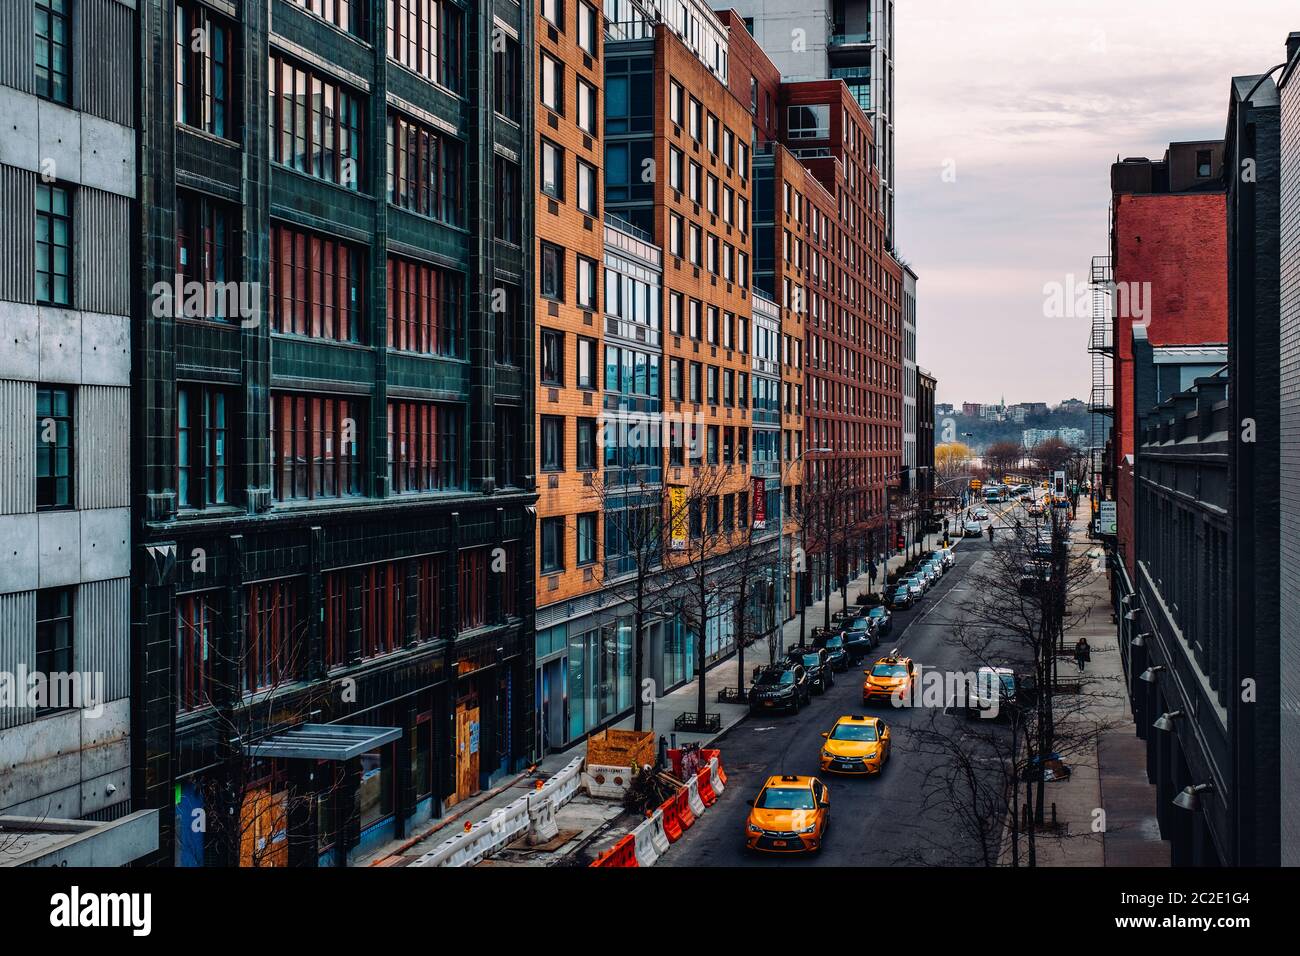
(507, 77)
(196, 636)
(54, 459)
(53, 56)
(54, 640)
(203, 69)
(425, 37)
(274, 634)
(202, 447)
(207, 259)
(315, 116)
(53, 245)
(425, 170)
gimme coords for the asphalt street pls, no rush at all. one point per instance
(875, 821)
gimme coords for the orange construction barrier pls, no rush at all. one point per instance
(672, 819)
(621, 854)
(704, 783)
(684, 812)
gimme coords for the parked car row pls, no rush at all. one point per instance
(908, 591)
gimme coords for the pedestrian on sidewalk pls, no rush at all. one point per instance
(990, 530)
(1082, 653)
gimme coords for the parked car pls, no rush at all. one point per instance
(837, 654)
(994, 687)
(884, 620)
(859, 638)
(783, 686)
(901, 596)
(814, 662)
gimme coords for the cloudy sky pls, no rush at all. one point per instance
(1008, 114)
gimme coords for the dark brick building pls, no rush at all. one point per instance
(333, 469)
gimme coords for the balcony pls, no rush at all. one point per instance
(849, 40)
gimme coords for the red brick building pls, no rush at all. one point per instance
(1169, 263)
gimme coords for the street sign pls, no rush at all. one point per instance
(677, 517)
(760, 504)
(1107, 519)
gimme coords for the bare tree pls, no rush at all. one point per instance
(695, 586)
(635, 514)
(1051, 454)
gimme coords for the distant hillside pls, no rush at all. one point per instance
(983, 433)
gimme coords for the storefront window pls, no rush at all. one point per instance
(375, 794)
(578, 700)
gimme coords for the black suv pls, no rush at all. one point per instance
(837, 654)
(814, 662)
(782, 686)
(859, 638)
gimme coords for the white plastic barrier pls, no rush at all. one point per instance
(643, 837)
(693, 796)
(606, 781)
(715, 777)
(658, 835)
(504, 824)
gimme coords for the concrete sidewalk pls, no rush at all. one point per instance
(1106, 808)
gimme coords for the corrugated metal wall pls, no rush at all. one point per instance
(103, 446)
(17, 645)
(17, 233)
(17, 51)
(17, 447)
(102, 223)
(106, 39)
(103, 643)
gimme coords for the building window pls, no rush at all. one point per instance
(425, 308)
(588, 28)
(54, 458)
(508, 78)
(1204, 163)
(587, 282)
(274, 635)
(316, 285)
(812, 121)
(196, 642)
(423, 447)
(552, 443)
(506, 431)
(587, 107)
(675, 102)
(207, 254)
(552, 84)
(334, 618)
(338, 12)
(474, 587)
(552, 173)
(625, 167)
(508, 217)
(552, 545)
(552, 357)
(553, 11)
(315, 446)
(315, 123)
(53, 57)
(587, 538)
(428, 585)
(202, 447)
(586, 443)
(588, 189)
(204, 57)
(425, 170)
(383, 608)
(552, 285)
(505, 311)
(587, 363)
(425, 37)
(675, 379)
(53, 245)
(54, 640)
(629, 95)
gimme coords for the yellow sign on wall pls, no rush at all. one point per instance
(677, 517)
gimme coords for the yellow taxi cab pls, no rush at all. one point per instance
(791, 814)
(856, 744)
(887, 677)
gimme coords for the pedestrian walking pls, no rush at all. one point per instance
(1082, 653)
(990, 530)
